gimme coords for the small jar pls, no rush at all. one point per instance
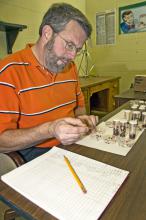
(142, 109)
(116, 124)
(133, 102)
(141, 102)
(127, 114)
(144, 119)
(123, 125)
(134, 107)
(132, 129)
(135, 115)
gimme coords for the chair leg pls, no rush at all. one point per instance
(10, 214)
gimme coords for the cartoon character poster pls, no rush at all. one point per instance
(132, 18)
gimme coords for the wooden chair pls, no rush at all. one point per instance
(9, 162)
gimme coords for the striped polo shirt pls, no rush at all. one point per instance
(30, 95)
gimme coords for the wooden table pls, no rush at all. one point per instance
(127, 95)
(99, 93)
(128, 204)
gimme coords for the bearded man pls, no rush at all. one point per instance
(42, 104)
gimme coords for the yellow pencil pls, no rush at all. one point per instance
(75, 175)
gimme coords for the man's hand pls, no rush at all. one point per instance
(68, 130)
(90, 120)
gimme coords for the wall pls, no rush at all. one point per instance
(128, 56)
(28, 13)
(3, 44)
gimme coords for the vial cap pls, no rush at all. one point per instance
(123, 121)
(143, 113)
(133, 122)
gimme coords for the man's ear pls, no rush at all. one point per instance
(47, 33)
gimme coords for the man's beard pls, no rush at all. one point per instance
(51, 59)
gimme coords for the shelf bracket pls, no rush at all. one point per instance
(11, 31)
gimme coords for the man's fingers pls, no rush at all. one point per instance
(75, 122)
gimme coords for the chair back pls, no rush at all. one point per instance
(6, 164)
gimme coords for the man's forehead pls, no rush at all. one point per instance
(74, 31)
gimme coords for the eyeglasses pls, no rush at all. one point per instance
(71, 46)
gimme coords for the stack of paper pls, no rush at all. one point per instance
(48, 182)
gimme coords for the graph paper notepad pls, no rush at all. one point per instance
(47, 182)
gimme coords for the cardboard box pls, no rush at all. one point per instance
(140, 83)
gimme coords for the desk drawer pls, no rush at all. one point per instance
(99, 88)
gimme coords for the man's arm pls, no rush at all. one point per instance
(66, 130)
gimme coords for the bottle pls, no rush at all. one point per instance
(134, 107)
(127, 114)
(135, 115)
(123, 125)
(132, 129)
(144, 119)
(116, 124)
(142, 109)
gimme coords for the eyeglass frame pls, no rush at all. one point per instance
(70, 46)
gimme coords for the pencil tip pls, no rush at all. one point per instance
(84, 190)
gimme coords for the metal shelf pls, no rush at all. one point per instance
(12, 31)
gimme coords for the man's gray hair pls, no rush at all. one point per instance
(60, 14)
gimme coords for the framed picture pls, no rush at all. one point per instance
(105, 27)
(132, 18)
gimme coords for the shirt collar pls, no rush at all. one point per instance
(34, 61)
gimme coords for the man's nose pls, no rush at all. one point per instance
(71, 54)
